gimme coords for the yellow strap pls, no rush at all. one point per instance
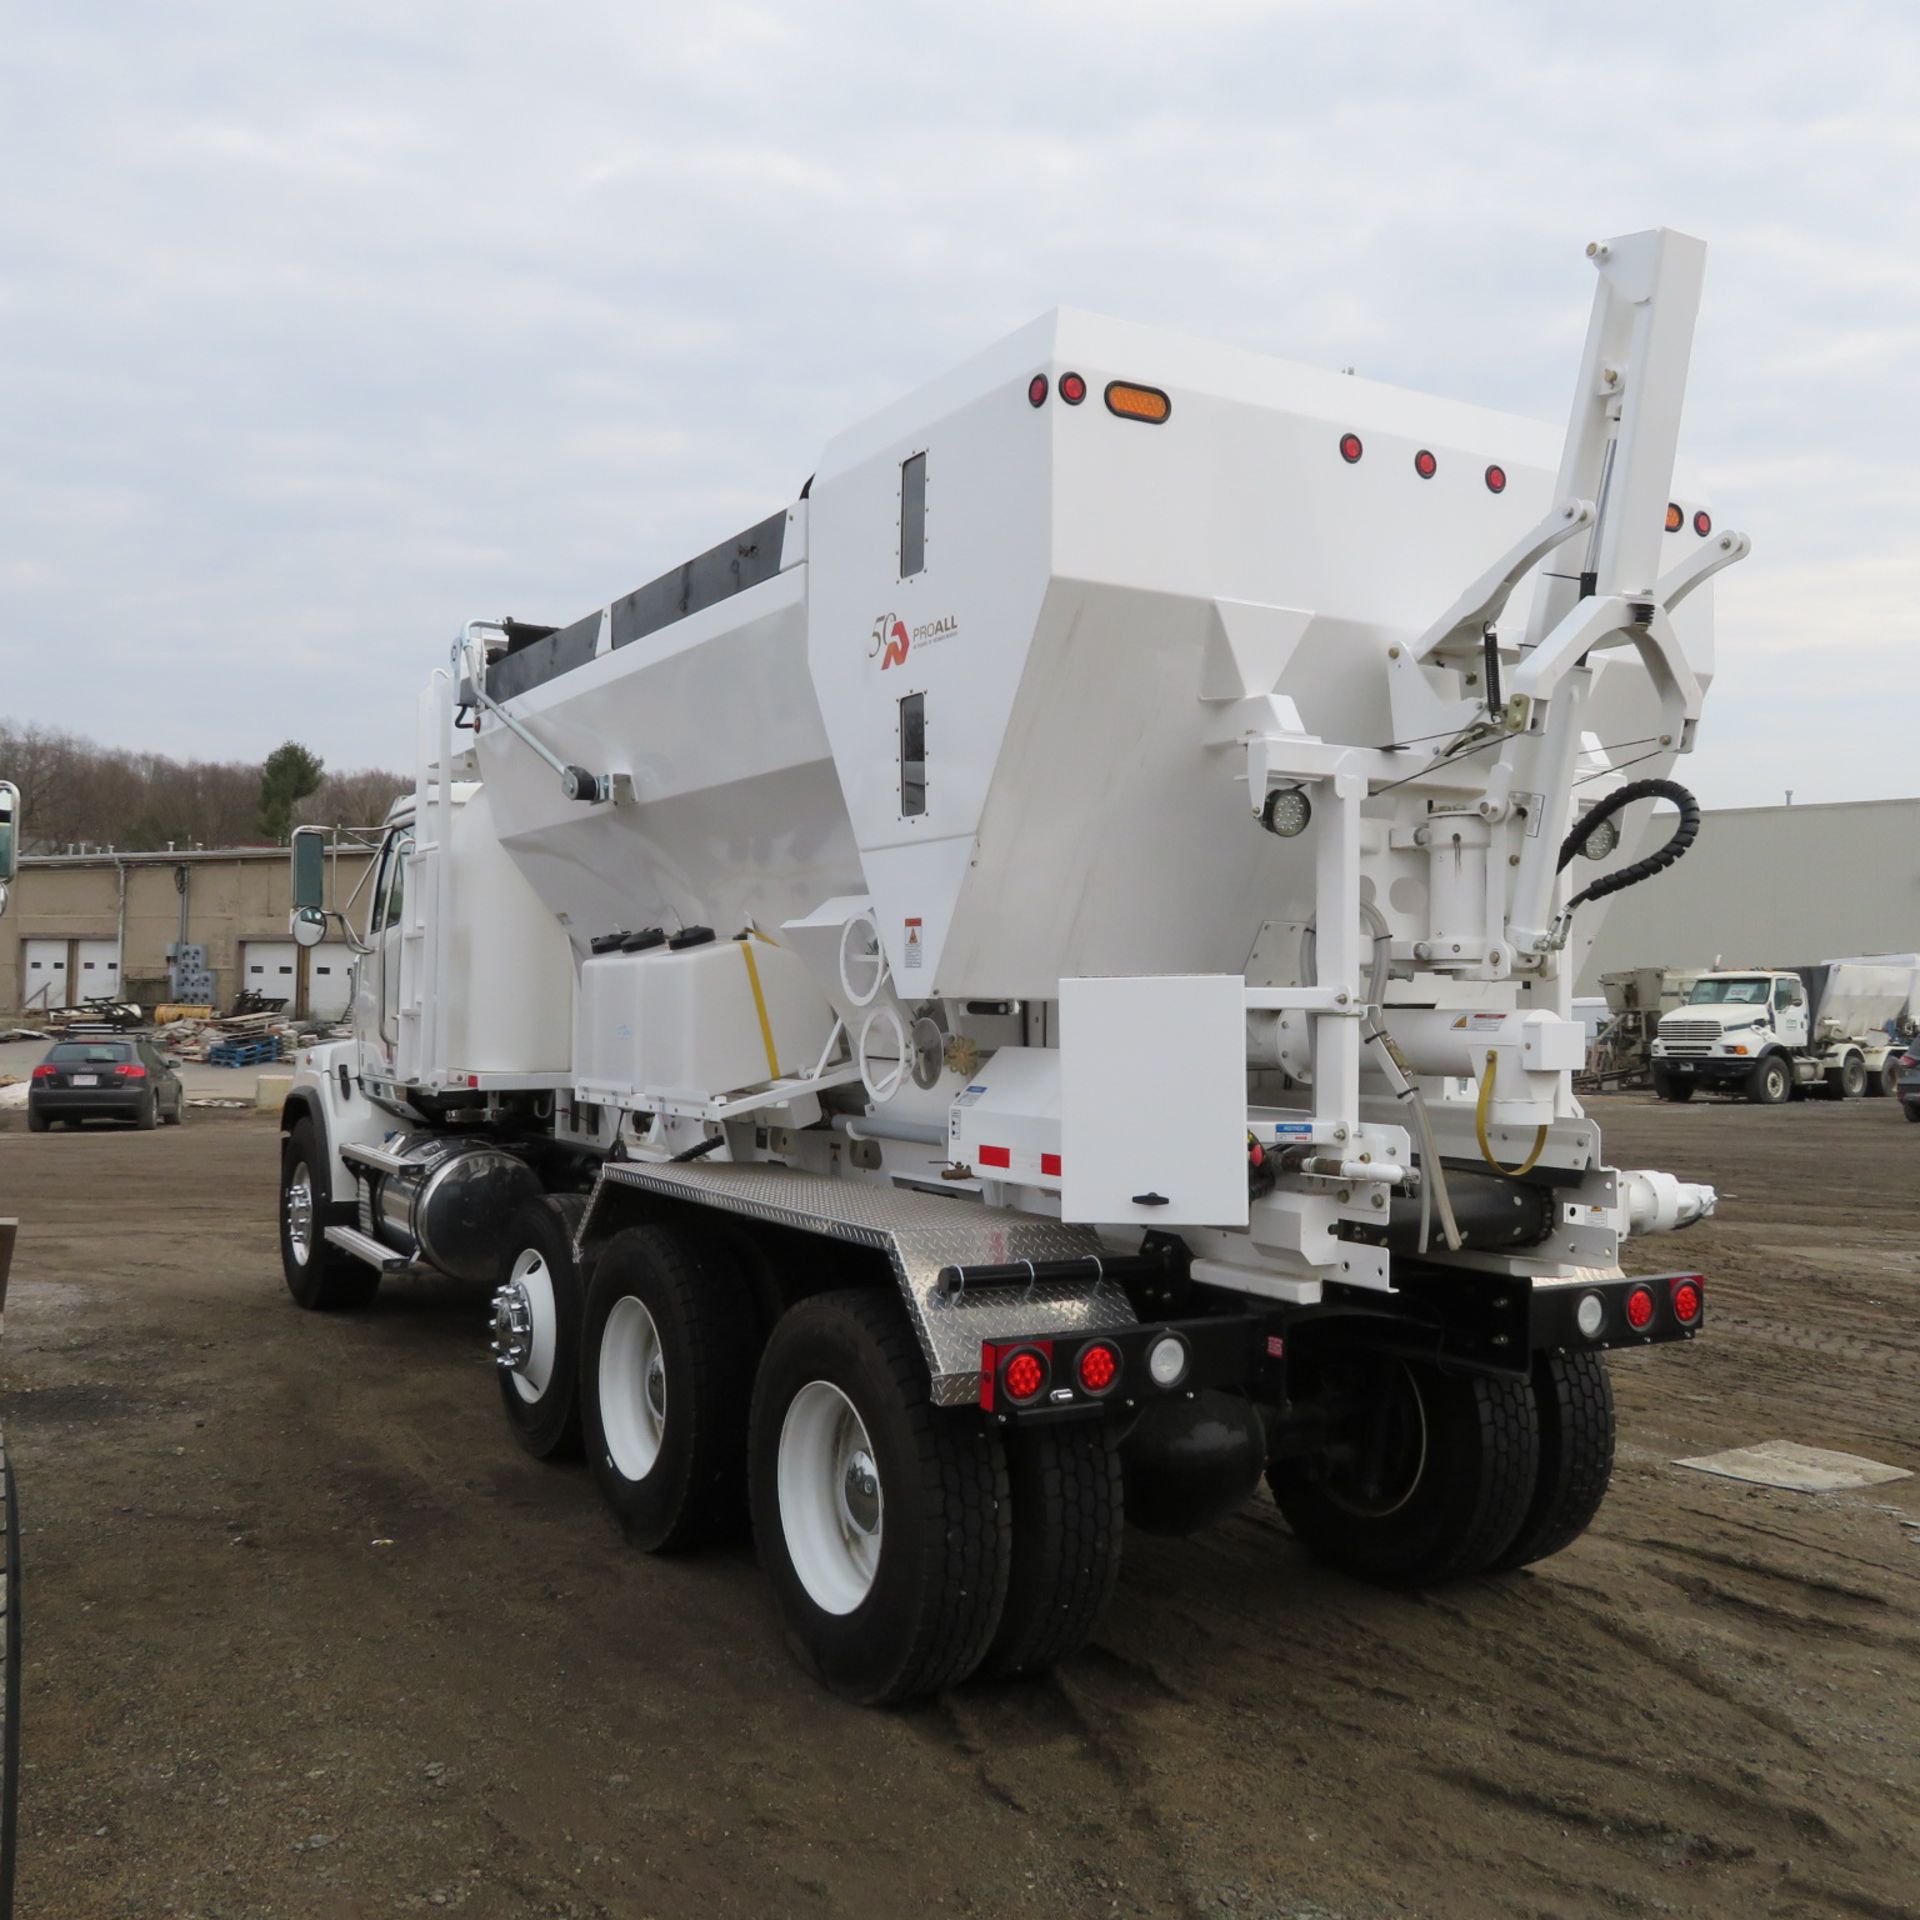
(1480, 1126)
(760, 1007)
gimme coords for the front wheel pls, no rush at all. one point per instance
(1770, 1084)
(319, 1276)
(1666, 1087)
(1422, 1475)
(883, 1521)
(537, 1309)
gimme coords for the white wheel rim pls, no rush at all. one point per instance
(543, 1337)
(831, 1506)
(299, 1206)
(633, 1388)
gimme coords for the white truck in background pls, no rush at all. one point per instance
(1836, 1029)
(1033, 986)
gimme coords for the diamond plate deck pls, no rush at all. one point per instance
(920, 1233)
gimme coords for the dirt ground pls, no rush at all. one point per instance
(307, 1635)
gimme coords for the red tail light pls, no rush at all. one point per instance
(1703, 523)
(1910, 1060)
(43, 1073)
(1037, 390)
(1098, 1366)
(1425, 465)
(1687, 1300)
(1073, 389)
(1496, 479)
(130, 1073)
(1350, 448)
(1640, 1309)
(1024, 1376)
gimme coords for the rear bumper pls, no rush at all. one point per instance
(1478, 1322)
(90, 1103)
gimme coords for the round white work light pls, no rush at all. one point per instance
(1167, 1360)
(1590, 1315)
(1287, 812)
(1602, 840)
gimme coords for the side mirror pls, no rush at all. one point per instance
(309, 926)
(9, 831)
(309, 870)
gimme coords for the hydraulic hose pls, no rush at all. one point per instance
(1643, 869)
(1480, 1111)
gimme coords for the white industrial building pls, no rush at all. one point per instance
(1771, 886)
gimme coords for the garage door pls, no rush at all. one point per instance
(99, 970)
(43, 975)
(272, 967)
(329, 980)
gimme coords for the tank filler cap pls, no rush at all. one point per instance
(690, 937)
(605, 942)
(640, 942)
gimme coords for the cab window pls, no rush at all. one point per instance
(391, 889)
(1788, 993)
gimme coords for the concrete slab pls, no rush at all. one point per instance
(1797, 1469)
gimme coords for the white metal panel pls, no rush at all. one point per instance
(1153, 1100)
(99, 970)
(43, 974)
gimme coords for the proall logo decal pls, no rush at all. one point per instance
(891, 640)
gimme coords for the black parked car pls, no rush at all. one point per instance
(1909, 1084)
(121, 1077)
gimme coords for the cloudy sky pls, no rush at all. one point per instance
(325, 326)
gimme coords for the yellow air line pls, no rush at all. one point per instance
(1481, 1108)
(766, 1025)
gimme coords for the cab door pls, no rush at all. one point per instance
(376, 979)
(1790, 1010)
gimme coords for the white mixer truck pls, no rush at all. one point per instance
(1836, 1029)
(1032, 986)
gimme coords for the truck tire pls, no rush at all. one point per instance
(883, 1521)
(1573, 1397)
(1068, 1522)
(666, 1377)
(538, 1308)
(1770, 1084)
(1666, 1087)
(1853, 1077)
(1885, 1084)
(320, 1277)
(1430, 1480)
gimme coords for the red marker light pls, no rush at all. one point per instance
(1073, 389)
(1025, 1374)
(1099, 1366)
(1425, 465)
(1703, 523)
(1037, 390)
(1496, 479)
(1640, 1309)
(1686, 1302)
(1350, 448)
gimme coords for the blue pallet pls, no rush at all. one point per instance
(244, 1053)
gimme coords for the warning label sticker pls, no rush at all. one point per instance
(916, 947)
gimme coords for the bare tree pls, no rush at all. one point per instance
(74, 792)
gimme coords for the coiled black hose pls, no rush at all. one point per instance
(1656, 862)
